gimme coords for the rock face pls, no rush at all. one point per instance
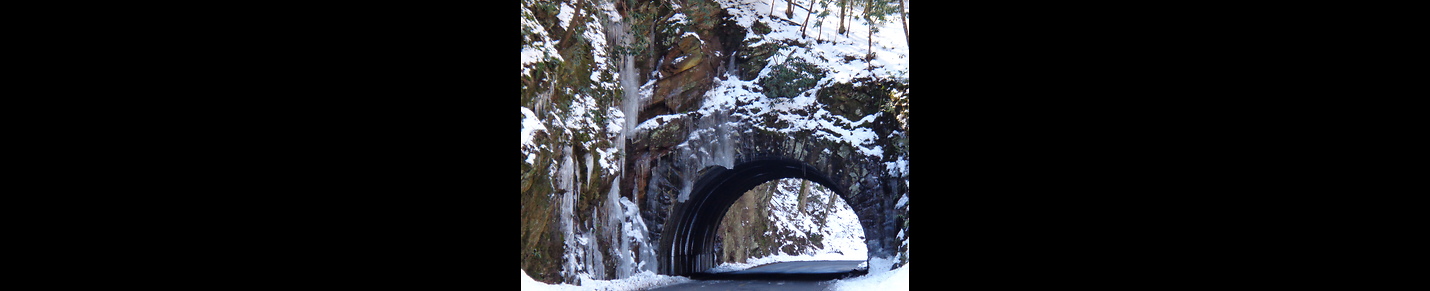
(686, 75)
(684, 56)
(856, 101)
(571, 223)
(752, 58)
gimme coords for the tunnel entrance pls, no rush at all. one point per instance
(689, 238)
(789, 220)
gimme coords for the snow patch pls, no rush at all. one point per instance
(899, 167)
(566, 14)
(678, 18)
(697, 36)
(529, 126)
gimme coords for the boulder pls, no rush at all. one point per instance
(670, 132)
(685, 57)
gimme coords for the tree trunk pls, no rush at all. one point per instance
(805, 25)
(869, 18)
(843, 8)
(772, 8)
(828, 208)
(803, 194)
(870, 57)
(904, 18)
(651, 45)
(789, 9)
(576, 21)
(820, 36)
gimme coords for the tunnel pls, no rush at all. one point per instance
(688, 244)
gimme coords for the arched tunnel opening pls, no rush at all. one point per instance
(689, 240)
(788, 219)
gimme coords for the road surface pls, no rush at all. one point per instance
(807, 275)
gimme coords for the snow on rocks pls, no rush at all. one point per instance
(792, 114)
(841, 56)
(692, 34)
(899, 167)
(890, 48)
(529, 126)
(540, 50)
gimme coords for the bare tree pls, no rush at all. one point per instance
(807, 12)
(904, 17)
(869, 18)
(789, 9)
(803, 195)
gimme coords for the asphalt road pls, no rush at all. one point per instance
(808, 275)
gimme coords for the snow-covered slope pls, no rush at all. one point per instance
(891, 51)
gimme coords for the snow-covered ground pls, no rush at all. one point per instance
(896, 279)
(639, 281)
(751, 263)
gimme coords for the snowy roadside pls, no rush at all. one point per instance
(878, 278)
(639, 281)
(896, 279)
(751, 263)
